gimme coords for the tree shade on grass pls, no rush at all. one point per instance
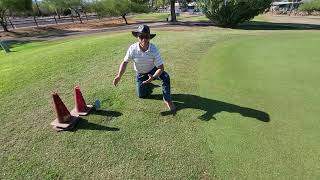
(247, 108)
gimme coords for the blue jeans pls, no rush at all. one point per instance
(143, 90)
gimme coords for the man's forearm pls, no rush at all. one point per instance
(122, 68)
(158, 71)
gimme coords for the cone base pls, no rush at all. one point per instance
(70, 128)
(88, 109)
(74, 119)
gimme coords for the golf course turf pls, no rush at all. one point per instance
(247, 108)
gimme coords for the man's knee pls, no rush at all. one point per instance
(143, 91)
(165, 77)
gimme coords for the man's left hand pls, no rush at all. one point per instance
(149, 80)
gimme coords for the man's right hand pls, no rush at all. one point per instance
(116, 80)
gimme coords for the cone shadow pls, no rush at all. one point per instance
(106, 113)
(85, 124)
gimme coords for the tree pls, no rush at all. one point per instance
(37, 5)
(48, 8)
(53, 6)
(162, 3)
(12, 6)
(72, 5)
(120, 7)
(172, 8)
(229, 13)
(173, 11)
(310, 6)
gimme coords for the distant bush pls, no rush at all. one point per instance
(229, 13)
(310, 6)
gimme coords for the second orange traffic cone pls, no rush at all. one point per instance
(80, 105)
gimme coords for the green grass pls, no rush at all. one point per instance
(189, 17)
(272, 74)
(223, 82)
(151, 16)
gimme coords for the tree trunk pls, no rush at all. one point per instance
(79, 17)
(55, 19)
(4, 24)
(77, 12)
(35, 21)
(173, 11)
(124, 17)
(36, 2)
(5, 29)
(58, 14)
(13, 27)
(86, 15)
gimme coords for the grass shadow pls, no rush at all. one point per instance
(16, 43)
(211, 107)
(260, 25)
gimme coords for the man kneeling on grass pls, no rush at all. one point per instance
(148, 65)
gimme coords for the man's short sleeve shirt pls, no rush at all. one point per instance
(143, 61)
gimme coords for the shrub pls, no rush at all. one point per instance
(229, 13)
(310, 6)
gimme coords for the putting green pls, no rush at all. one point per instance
(272, 73)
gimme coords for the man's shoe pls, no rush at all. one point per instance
(170, 105)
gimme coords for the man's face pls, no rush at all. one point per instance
(144, 40)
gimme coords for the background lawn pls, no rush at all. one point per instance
(247, 104)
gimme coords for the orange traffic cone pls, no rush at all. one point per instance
(65, 120)
(80, 105)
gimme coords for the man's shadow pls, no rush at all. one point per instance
(211, 107)
(85, 124)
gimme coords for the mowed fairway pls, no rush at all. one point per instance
(247, 108)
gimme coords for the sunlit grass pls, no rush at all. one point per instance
(224, 83)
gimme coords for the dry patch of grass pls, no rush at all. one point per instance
(63, 28)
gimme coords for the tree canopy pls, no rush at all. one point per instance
(120, 7)
(310, 6)
(229, 13)
(12, 6)
(60, 5)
